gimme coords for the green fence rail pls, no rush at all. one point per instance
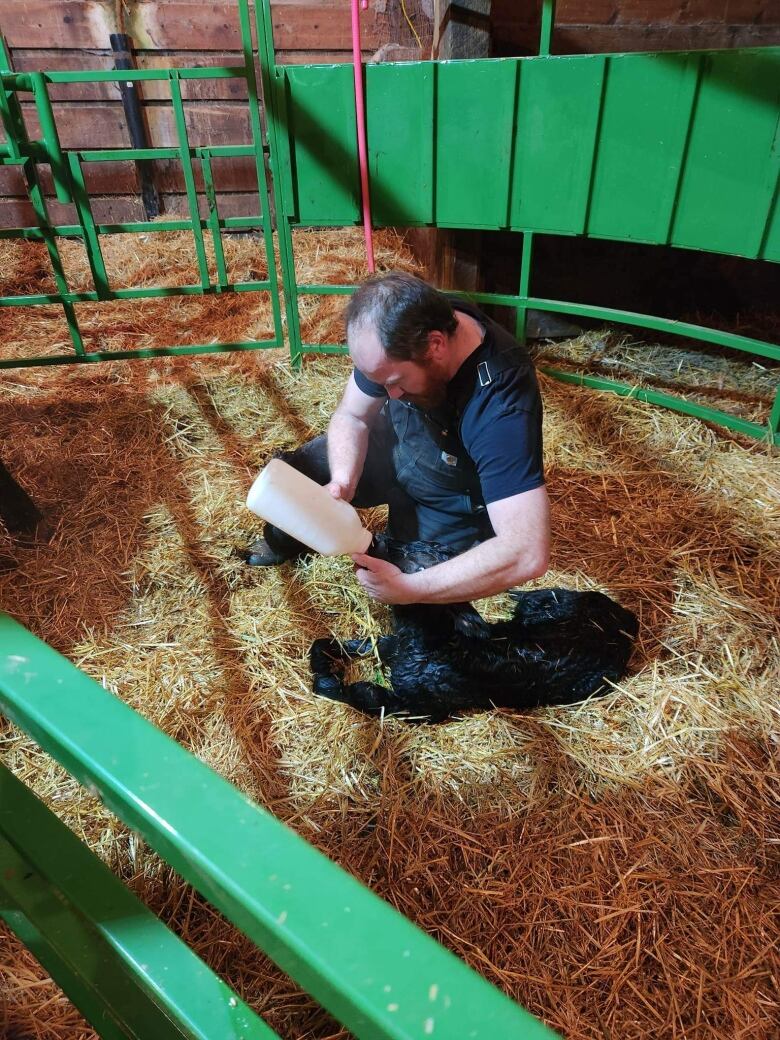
(673, 149)
(67, 168)
(368, 965)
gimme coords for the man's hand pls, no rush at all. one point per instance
(382, 580)
(342, 489)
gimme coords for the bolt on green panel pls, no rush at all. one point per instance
(731, 170)
(321, 113)
(399, 106)
(557, 123)
(475, 104)
(648, 103)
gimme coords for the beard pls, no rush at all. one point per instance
(428, 400)
(433, 395)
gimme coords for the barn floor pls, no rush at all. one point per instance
(613, 866)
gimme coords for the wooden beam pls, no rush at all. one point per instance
(102, 125)
(189, 25)
(118, 209)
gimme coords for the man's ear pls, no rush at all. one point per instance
(437, 345)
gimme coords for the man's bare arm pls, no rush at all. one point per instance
(348, 433)
(519, 552)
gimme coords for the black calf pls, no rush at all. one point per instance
(558, 647)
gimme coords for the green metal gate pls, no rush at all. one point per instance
(68, 175)
(677, 149)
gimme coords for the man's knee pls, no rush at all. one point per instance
(310, 458)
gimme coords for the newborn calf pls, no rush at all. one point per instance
(558, 647)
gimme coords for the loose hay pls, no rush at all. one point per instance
(612, 865)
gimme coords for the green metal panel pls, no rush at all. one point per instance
(733, 158)
(321, 113)
(648, 104)
(367, 964)
(399, 118)
(144, 977)
(475, 103)
(557, 124)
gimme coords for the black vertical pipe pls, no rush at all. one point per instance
(121, 46)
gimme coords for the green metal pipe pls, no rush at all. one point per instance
(51, 139)
(671, 401)
(117, 75)
(363, 961)
(273, 94)
(17, 81)
(260, 151)
(147, 292)
(521, 322)
(546, 29)
(131, 969)
(141, 353)
(189, 180)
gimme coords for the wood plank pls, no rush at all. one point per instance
(118, 209)
(119, 178)
(180, 25)
(658, 13)
(102, 125)
(615, 39)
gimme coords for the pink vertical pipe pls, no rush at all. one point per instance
(360, 118)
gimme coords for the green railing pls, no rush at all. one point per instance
(368, 965)
(669, 149)
(68, 175)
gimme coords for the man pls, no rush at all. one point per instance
(441, 419)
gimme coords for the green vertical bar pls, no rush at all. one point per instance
(273, 86)
(213, 218)
(257, 142)
(189, 178)
(16, 132)
(774, 419)
(91, 239)
(12, 121)
(38, 203)
(51, 138)
(86, 1000)
(525, 282)
(548, 21)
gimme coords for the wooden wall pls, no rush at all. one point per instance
(73, 34)
(609, 26)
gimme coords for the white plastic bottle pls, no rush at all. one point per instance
(307, 511)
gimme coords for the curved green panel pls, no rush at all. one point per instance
(732, 162)
(400, 144)
(678, 148)
(323, 144)
(475, 103)
(557, 125)
(644, 126)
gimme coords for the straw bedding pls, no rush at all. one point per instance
(612, 865)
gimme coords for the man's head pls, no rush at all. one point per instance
(398, 332)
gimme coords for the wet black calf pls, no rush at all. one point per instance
(558, 647)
